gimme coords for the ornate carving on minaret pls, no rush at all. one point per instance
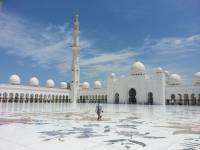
(75, 61)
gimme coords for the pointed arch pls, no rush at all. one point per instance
(150, 98)
(132, 96)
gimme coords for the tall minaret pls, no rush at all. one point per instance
(75, 61)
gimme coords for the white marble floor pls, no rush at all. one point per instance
(64, 126)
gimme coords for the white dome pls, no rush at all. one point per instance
(159, 70)
(138, 68)
(175, 79)
(85, 85)
(63, 85)
(14, 79)
(112, 75)
(50, 83)
(33, 81)
(197, 75)
(167, 73)
(97, 84)
(197, 78)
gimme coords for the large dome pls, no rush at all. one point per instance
(14, 79)
(97, 84)
(197, 78)
(50, 83)
(33, 81)
(63, 85)
(138, 68)
(175, 79)
(86, 85)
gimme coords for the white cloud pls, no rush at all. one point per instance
(173, 45)
(173, 53)
(19, 37)
(100, 64)
(109, 57)
(45, 45)
(49, 46)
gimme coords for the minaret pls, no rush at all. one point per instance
(75, 61)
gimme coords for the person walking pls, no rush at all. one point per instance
(99, 111)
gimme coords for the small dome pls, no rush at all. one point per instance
(197, 78)
(97, 84)
(167, 73)
(197, 75)
(159, 70)
(175, 79)
(14, 79)
(33, 81)
(112, 75)
(63, 85)
(138, 68)
(50, 83)
(85, 85)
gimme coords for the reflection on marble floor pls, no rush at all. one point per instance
(37, 126)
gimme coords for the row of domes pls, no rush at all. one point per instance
(175, 79)
(138, 68)
(15, 80)
(97, 85)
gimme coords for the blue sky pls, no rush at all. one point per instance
(35, 37)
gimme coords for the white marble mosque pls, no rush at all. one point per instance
(139, 87)
(35, 117)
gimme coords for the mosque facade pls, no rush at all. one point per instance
(159, 87)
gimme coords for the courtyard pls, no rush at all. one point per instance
(68, 126)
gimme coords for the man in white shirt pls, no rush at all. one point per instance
(99, 110)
